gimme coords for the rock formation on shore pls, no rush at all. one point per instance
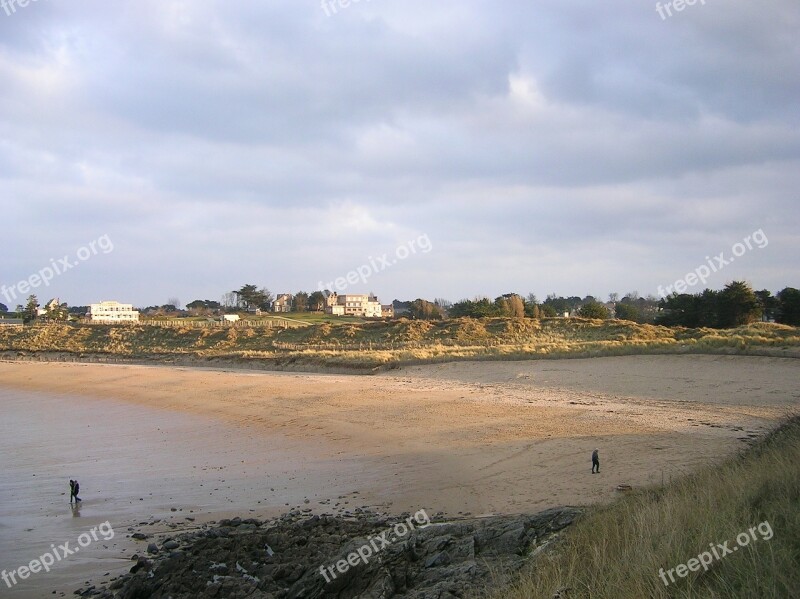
(298, 557)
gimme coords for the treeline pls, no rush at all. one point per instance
(251, 297)
(631, 307)
(737, 304)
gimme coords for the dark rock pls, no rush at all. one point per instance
(286, 558)
(141, 564)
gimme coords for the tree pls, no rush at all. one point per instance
(477, 308)
(737, 305)
(424, 310)
(706, 309)
(787, 310)
(30, 311)
(768, 303)
(228, 300)
(674, 310)
(265, 296)
(316, 301)
(647, 308)
(559, 305)
(56, 311)
(301, 301)
(635, 308)
(510, 304)
(686, 310)
(174, 301)
(443, 303)
(532, 309)
(249, 297)
(3, 308)
(564, 304)
(547, 311)
(593, 309)
(626, 312)
(246, 297)
(200, 307)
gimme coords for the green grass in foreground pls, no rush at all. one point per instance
(616, 551)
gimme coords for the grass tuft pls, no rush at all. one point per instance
(370, 345)
(616, 551)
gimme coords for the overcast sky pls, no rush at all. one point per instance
(540, 146)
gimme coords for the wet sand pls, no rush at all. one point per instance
(480, 437)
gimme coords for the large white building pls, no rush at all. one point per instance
(366, 306)
(112, 312)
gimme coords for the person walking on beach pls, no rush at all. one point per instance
(596, 461)
(71, 489)
(75, 490)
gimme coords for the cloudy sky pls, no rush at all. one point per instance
(539, 146)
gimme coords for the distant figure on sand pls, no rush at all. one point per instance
(596, 461)
(74, 489)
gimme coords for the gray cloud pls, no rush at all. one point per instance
(546, 146)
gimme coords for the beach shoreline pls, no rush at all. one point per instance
(459, 439)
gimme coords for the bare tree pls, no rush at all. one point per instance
(516, 306)
(443, 303)
(228, 300)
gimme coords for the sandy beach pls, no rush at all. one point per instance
(166, 444)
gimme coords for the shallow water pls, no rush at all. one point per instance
(134, 464)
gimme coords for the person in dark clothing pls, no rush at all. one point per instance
(71, 489)
(77, 490)
(596, 461)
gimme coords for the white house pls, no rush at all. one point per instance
(229, 318)
(332, 305)
(51, 305)
(112, 312)
(367, 306)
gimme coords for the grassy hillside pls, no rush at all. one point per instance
(375, 344)
(620, 551)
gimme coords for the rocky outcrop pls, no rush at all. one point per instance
(298, 557)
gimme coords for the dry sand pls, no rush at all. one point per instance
(469, 437)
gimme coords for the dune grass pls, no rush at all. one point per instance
(371, 345)
(617, 551)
